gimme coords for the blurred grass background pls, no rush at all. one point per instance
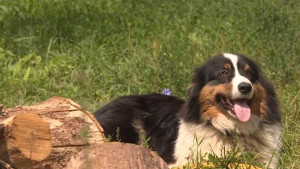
(93, 51)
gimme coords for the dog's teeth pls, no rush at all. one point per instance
(223, 100)
(229, 102)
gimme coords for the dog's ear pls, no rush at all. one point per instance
(273, 113)
(192, 107)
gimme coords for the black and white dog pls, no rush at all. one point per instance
(228, 95)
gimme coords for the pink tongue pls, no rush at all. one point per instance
(242, 110)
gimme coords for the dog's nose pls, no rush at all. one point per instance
(245, 88)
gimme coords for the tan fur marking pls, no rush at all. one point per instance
(207, 100)
(227, 66)
(247, 68)
(258, 104)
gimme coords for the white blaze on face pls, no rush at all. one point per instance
(238, 79)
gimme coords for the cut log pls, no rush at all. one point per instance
(116, 155)
(21, 136)
(57, 133)
(71, 130)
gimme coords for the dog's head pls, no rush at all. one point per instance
(230, 92)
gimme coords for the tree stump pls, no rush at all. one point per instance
(47, 134)
(116, 155)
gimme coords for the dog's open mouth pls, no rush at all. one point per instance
(239, 107)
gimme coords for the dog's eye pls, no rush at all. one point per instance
(249, 74)
(224, 73)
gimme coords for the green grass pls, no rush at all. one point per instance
(95, 50)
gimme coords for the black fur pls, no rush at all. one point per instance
(156, 112)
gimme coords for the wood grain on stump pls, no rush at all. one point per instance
(21, 136)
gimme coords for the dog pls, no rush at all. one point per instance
(228, 99)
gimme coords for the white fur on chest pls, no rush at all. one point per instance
(206, 139)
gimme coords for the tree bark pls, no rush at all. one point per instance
(116, 155)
